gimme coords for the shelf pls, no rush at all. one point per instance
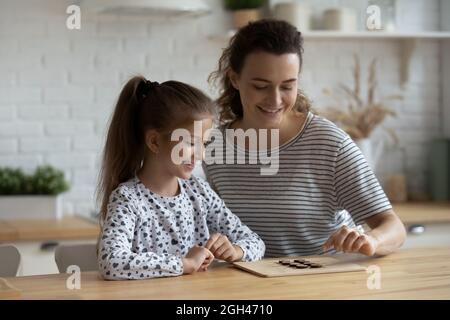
(323, 34)
(375, 35)
(407, 40)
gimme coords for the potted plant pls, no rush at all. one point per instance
(244, 11)
(359, 117)
(32, 196)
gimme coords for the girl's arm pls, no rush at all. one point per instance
(116, 258)
(221, 220)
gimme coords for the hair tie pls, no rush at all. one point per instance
(150, 85)
(145, 87)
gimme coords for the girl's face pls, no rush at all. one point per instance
(187, 149)
(268, 88)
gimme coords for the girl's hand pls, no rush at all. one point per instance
(197, 259)
(222, 248)
(208, 260)
(351, 241)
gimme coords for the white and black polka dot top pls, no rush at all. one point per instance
(145, 235)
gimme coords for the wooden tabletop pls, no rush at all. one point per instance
(423, 212)
(47, 229)
(406, 274)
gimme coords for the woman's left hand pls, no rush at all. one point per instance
(351, 241)
(223, 249)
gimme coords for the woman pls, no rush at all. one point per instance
(323, 188)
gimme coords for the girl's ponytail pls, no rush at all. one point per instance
(124, 148)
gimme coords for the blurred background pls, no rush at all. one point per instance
(63, 63)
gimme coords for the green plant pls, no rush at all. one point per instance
(11, 181)
(48, 180)
(45, 180)
(234, 5)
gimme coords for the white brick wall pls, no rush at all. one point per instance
(58, 87)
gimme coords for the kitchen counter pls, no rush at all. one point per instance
(423, 212)
(47, 229)
(406, 274)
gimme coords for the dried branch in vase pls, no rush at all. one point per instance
(356, 116)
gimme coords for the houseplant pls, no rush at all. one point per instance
(244, 11)
(359, 116)
(31, 196)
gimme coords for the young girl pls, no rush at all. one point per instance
(158, 220)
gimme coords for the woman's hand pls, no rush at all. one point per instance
(351, 241)
(197, 259)
(223, 249)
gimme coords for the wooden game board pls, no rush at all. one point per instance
(272, 268)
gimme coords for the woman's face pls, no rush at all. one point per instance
(268, 88)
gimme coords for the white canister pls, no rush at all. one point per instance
(342, 19)
(298, 15)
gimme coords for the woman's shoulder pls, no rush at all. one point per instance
(320, 127)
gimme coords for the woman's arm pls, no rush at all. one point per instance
(358, 191)
(386, 235)
(388, 231)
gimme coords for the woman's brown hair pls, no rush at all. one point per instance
(143, 105)
(272, 36)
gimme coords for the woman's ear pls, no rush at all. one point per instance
(234, 79)
(152, 140)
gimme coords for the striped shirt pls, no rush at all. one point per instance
(323, 182)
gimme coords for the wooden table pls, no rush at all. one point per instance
(47, 229)
(406, 274)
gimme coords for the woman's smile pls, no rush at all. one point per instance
(270, 111)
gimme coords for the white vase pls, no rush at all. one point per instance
(342, 19)
(30, 207)
(372, 152)
(243, 17)
(298, 15)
